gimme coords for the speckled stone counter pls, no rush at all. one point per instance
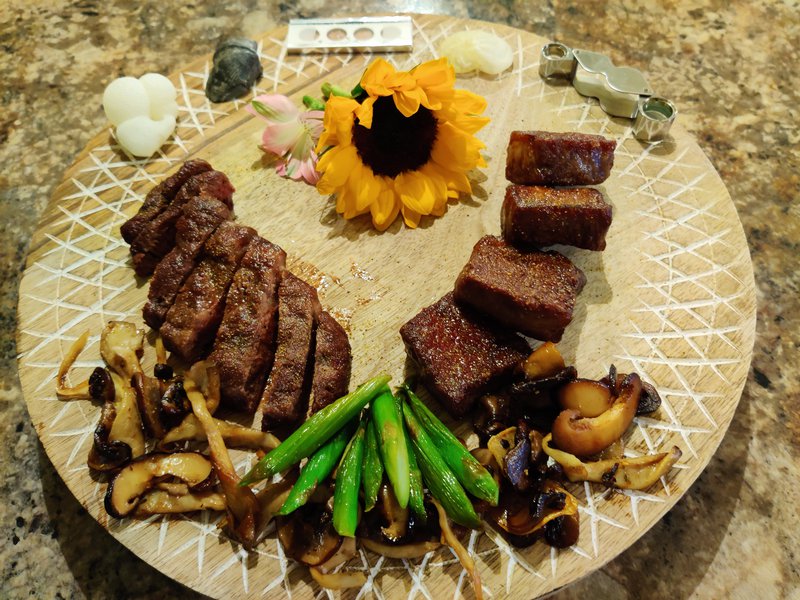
(730, 68)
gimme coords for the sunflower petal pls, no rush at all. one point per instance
(385, 208)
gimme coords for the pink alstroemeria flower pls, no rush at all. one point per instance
(290, 134)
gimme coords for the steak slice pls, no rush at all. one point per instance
(460, 355)
(193, 319)
(534, 216)
(332, 362)
(545, 158)
(244, 348)
(157, 236)
(284, 399)
(532, 292)
(201, 217)
(160, 196)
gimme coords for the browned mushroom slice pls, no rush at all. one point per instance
(127, 425)
(105, 455)
(148, 397)
(244, 509)
(543, 362)
(308, 536)
(64, 391)
(395, 517)
(174, 405)
(121, 346)
(160, 502)
(338, 581)
(587, 436)
(590, 398)
(234, 435)
(206, 377)
(415, 550)
(625, 473)
(449, 538)
(125, 491)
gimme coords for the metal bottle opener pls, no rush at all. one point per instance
(622, 91)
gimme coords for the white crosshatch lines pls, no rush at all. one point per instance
(672, 298)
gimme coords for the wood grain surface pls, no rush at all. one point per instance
(672, 297)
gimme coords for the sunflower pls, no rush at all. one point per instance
(403, 145)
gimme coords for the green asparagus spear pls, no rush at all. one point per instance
(315, 431)
(317, 469)
(440, 479)
(469, 472)
(389, 427)
(373, 467)
(348, 482)
(416, 497)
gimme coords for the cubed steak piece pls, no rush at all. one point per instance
(285, 398)
(535, 216)
(545, 158)
(332, 362)
(461, 356)
(157, 236)
(244, 348)
(160, 197)
(531, 292)
(193, 319)
(201, 217)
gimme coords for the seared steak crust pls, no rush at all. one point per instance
(160, 197)
(332, 362)
(157, 237)
(201, 217)
(545, 158)
(531, 292)
(244, 348)
(460, 355)
(534, 216)
(193, 319)
(285, 398)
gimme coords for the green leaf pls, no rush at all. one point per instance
(312, 103)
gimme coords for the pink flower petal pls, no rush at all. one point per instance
(280, 138)
(281, 108)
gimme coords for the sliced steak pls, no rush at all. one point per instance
(545, 158)
(193, 319)
(201, 217)
(160, 197)
(535, 216)
(332, 362)
(532, 292)
(461, 356)
(285, 398)
(244, 348)
(157, 236)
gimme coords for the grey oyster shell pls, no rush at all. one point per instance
(236, 68)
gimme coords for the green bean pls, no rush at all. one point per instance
(315, 431)
(469, 472)
(389, 427)
(373, 467)
(416, 497)
(348, 482)
(437, 475)
(317, 469)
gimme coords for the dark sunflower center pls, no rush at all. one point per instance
(395, 144)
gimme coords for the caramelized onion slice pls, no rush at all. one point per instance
(586, 436)
(625, 473)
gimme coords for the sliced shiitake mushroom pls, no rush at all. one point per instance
(148, 397)
(161, 502)
(308, 536)
(127, 425)
(586, 436)
(492, 415)
(626, 473)
(649, 401)
(415, 550)
(107, 455)
(173, 406)
(395, 517)
(121, 346)
(125, 491)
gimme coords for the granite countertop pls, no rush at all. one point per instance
(729, 68)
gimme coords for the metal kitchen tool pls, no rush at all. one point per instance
(621, 91)
(376, 34)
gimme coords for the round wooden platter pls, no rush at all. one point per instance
(672, 297)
